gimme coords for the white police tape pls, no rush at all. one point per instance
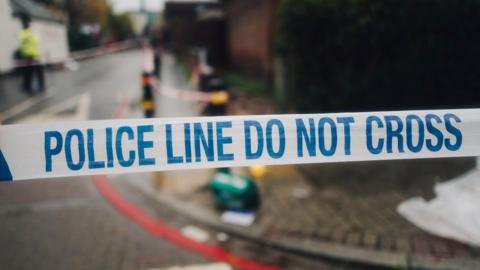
(122, 146)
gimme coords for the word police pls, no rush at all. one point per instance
(240, 140)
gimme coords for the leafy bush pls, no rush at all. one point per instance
(120, 26)
(376, 54)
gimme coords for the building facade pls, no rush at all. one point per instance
(251, 30)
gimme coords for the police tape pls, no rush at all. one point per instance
(219, 97)
(143, 145)
(216, 97)
(81, 54)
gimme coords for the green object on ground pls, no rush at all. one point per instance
(234, 192)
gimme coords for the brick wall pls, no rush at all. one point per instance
(251, 26)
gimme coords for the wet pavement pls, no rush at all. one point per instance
(107, 79)
(65, 224)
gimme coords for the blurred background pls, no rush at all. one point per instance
(70, 60)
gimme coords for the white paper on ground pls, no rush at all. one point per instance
(212, 266)
(453, 213)
(195, 233)
(238, 218)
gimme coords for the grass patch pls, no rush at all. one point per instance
(247, 84)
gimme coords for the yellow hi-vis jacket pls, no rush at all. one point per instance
(29, 44)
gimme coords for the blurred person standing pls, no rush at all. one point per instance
(156, 44)
(159, 40)
(30, 55)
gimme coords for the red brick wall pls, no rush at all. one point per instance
(251, 25)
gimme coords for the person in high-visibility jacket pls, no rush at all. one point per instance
(30, 56)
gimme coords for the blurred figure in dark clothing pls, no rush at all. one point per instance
(217, 87)
(159, 40)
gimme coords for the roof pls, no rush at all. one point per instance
(36, 11)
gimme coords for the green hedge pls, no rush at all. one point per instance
(381, 54)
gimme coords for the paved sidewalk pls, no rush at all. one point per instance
(344, 211)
